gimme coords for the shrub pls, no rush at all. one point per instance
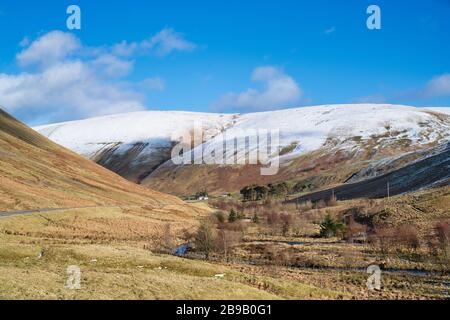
(305, 206)
(273, 218)
(442, 230)
(331, 228)
(220, 216)
(220, 204)
(332, 202)
(236, 226)
(388, 238)
(383, 237)
(354, 229)
(287, 221)
(232, 217)
(320, 204)
(276, 256)
(407, 236)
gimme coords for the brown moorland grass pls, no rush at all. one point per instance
(36, 173)
(108, 246)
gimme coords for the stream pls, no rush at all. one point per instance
(183, 249)
(293, 243)
(413, 272)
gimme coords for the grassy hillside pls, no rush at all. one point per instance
(109, 247)
(37, 173)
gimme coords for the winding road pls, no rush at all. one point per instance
(28, 212)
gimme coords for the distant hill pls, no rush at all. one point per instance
(322, 145)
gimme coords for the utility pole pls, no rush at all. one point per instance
(388, 191)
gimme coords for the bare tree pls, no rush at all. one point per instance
(168, 239)
(287, 221)
(205, 238)
(226, 239)
(442, 230)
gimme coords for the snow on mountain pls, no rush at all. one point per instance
(445, 110)
(309, 128)
(138, 139)
(156, 128)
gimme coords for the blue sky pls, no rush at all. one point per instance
(227, 56)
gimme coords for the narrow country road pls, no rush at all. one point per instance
(27, 212)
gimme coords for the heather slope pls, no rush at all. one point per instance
(36, 173)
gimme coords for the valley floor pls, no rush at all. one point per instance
(111, 248)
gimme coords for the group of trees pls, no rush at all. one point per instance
(284, 221)
(302, 187)
(387, 238)
(235, 216)
(218, 234)
(257, 192)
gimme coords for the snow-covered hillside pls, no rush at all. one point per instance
(126, 141)
(309, 128)
(445, 110)
(155, 128)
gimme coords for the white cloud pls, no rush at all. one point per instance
(167, 41)
(124, 48)
(65, 91)
(438, 87)
(162, 44)
(62, 79)
(280, 91)
(113, 66)
(49, 49)
(156, 84)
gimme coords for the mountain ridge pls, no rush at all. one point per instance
(138, 145)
